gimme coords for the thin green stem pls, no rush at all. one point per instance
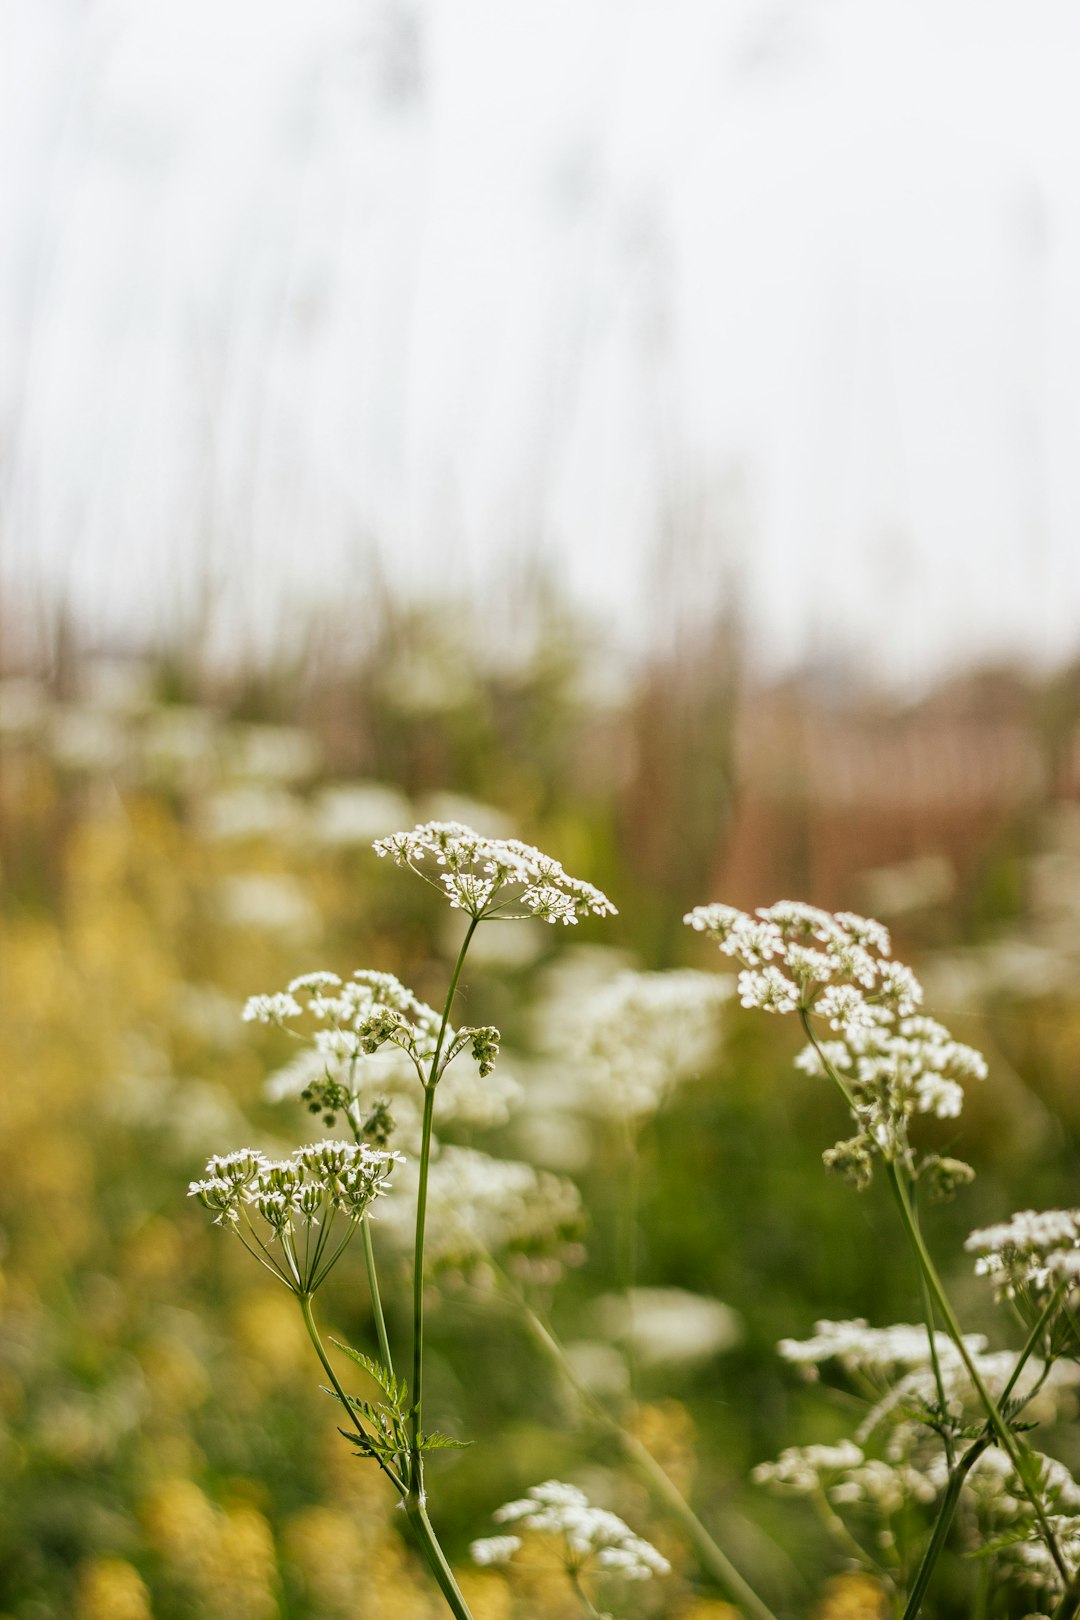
(664, 1490)
(424, 1532)
(416, 1465)
(313, 1334)
(935, 1546)
(376, 1297)
(588, 1607)
(1005, 1437)
(931, 1335)
(958, 1474)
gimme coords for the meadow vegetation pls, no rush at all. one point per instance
(174, 841)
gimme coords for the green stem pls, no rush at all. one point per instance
(664, 1490)
(588, 1607)
(313, 1334)
(929, 1277)
(1005, 1437)
(931, 1334)
(416, 1464)
(423, 1530)
(958, 1474)
(935, 1546)
(376, 1297)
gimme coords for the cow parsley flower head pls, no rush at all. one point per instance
(284, 1211)
(796, 956)
(493, 877)
(367, 1040)
(592, 1539)
(889, 1061)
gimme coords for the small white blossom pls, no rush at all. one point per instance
(767, 989)
(806, 1469)
(275, 1009)
(479, 1207)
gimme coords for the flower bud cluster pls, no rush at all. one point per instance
(592, 1538)
(290, 1197)
(494, 877)
(889, 1060)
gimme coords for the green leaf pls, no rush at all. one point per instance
(442, 1442)
(395, 1389)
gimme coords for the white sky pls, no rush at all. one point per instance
(773, 295)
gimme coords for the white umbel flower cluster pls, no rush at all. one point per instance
(359, 1015)
(494, 877)
(1029, 1254)
(293, 1202)
(592, 1538)
(480, 1208)
(373, 1040)
(892, 1368)
(889, 1060)
(632, 1040)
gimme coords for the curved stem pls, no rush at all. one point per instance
(1004, 1435)
(416, 1466)
(664, 1490)
(946, 1513)
(313, 1334)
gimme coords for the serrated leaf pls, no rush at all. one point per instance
(395, 1389)
(442, 1442)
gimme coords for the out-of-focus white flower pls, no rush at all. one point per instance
(271, 753)
(592, 1538)
(807, 1469)
(270, 901)
(85, 739)
(494, 1549)
(348, 813)
(24, 707)
(250, 811)
(480, 1208)
(493, 877)
(668, 1325)
(627, 1044)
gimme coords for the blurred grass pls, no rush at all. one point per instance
(172, 840)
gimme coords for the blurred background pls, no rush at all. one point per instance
(647, 429)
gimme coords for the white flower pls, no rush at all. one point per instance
(591, 1537)
(805, 1469)
(494, 877)
(273, 1009)
(767, 989)
(1030, 1251)
(494, 1549)
(479, 1207)
(627, 1044)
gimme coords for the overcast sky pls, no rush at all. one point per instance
(781, 296)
